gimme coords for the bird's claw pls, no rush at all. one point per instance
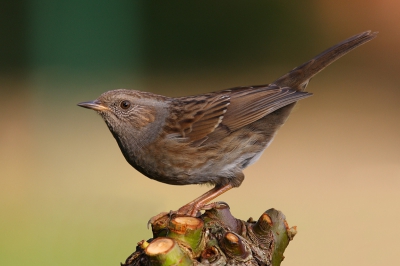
(215, 205)
(192, 210)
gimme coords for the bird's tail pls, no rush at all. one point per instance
(299, 77)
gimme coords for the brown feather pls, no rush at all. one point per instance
(194, 118)
(248, 106)
(299, 77)
(199, 116)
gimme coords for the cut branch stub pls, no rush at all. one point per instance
(188, 230)
(160, 226)
(262, 238)
(282, 234)
(165, 252)
(235, 248)
(212, 256)
(215, 239)
(263, 225)
(221, 214)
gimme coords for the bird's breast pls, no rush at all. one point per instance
(179, 163)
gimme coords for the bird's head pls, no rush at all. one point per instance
(128, 111)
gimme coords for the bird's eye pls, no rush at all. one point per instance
(125, 104)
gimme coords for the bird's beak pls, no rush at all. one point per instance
(94, 105)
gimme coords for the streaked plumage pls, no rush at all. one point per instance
(207, 138)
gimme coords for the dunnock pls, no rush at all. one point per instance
(208, 138)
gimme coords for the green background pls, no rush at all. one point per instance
(69, 198)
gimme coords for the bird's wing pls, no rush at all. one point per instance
(194, 117)
(250, 104)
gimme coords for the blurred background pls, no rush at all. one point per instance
(68, 196)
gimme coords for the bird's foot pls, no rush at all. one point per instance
(216, 205)
(192, 210)
(165, 217)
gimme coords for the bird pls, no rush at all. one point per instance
(208, 138)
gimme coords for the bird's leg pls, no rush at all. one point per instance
(193, 207)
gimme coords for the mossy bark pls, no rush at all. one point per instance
(215, 238)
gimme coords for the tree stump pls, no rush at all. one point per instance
(215, 238)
